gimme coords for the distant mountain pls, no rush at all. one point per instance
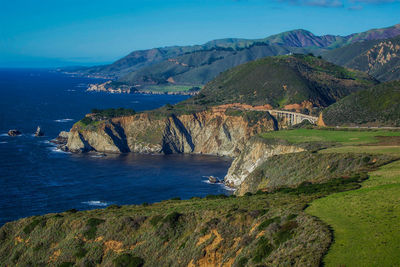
(379, 58)
(283, 82)
(198, 64)
(377, 106)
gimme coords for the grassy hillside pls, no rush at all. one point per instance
(284, 80)
(365, 221)
(378, 106)
(263, 229)
(219, 231)
(380, 59)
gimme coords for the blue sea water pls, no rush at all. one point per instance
(36, 178)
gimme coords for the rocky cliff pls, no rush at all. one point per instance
(255, 153)
(208, 132)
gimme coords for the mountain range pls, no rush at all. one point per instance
(196, 65)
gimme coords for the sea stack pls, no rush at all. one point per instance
(39, 132)
(14, 132)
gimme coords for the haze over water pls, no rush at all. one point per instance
(36, 178)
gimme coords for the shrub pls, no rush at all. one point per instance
(262, 250)
(216, 196)
(92, 224)
(128, 260)
(155, 220)
(80, 253)
(172, 218)
(242, 261)
(286, 232)
(30, 227)
(267, 222)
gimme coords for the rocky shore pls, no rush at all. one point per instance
(127, 89)
(210, 132)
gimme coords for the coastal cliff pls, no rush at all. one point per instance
(207, 132)
(255, 153)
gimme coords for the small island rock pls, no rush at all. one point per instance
(39, 132)
(14, 132)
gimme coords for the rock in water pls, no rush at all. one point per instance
(39, 132)
(14, 132)
(213, 180)
(61, 139)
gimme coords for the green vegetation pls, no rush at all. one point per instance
(283, 80)
(340, 136)
(185, 231)
(378, 106)
(127, 260)
(365, 221)
(113, 112)
(267, 227)
(104, 114)
(164, 88)
(296, 168)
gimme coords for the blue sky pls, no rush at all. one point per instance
(69, 32)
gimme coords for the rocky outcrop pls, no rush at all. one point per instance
(39, 132)
(14, 132)
(108, 87)
(207, 132)
(61, 139)
(255, 153)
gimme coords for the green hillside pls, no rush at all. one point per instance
(378, 106)
(283, 80)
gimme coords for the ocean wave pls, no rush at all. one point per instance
(96, 203)
(4, 134)
(227, 188)
(98, 156)
(57, 150)
(71, 90)
(63, 120)
(3, 142)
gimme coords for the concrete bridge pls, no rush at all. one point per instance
(292, 117)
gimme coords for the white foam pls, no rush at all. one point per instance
(71, 90)
(96, 203)
(57, 150)
(4, 134)
(3, 142)
(97, 156)
(227, 188)
(63, 120)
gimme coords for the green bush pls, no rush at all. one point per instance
(112, 112)
(262, 250)
(267, 222)
(128, 260)
(242, 261)
(30, 227)
(92, 224)
(286, 232)
(155, 220)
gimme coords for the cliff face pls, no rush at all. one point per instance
(255, 153)
(208, 132)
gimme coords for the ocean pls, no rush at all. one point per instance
(37, 178)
